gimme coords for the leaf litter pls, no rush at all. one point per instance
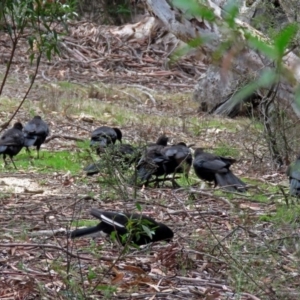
(222, 249)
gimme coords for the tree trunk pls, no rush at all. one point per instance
(239, 65)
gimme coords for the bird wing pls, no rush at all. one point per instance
(117, 220)
(294, 170)
(183, 153)
(42, 129)
(227, 160)
(212, 165)
(170, 151)
(30, 128)
(93, 168)
(12, 138)
(104, 132)
(30, 140)
(33, 130)
(179, 159)
(126, 149)
(3, 149)
(153, 154)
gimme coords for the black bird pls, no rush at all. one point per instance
(153, 161)
(11, 142)
(215, 168)
(104, 136)
(126, 226)
(123, 155)
(35, 133)
(161, 141)
(293, 172)
(179, 159)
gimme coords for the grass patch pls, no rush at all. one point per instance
(286, 215)
(260, 198)
(226, 150)
(245, 234)
(267, 191)
(199, 125)
(83, 144)
(48, 162)
(82, 223)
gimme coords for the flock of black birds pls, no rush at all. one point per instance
(160, 159)
(14, 139)
(151, 162)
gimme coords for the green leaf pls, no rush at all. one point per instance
(91, 274)
(194, 8)
(48, 53)
(262, 46)
(148, 231)
(285, 36)
(267, 78)
(232, 11)
(113, 235)
(138, 207)
(31, 40)
(31, 57)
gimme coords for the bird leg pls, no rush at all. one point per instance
(174, 183)
(4, 159)
(13, 162)
(38, 150)
(156, 185)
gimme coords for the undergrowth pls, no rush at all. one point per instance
(237, 239)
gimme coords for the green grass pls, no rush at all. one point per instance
(226, 150)
(83, 145)
(65, 85)
(48, 162)
(266, 191)
(212, 122)
(285, 215)
(82, 223)
(218, 135)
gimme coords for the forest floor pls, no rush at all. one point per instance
(226, 245)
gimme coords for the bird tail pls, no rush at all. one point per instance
(295, 187)
(142, 175)
(230, 182)
(90, 231)
(30, 140)
(93, 169)
(145, 171)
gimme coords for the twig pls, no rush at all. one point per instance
(141, 87)
(47, 232)
(150, 97)
(191, 190)
(5, 124)
(62, 136)
(133, 97)
(52, 247)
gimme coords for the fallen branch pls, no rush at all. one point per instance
(66, 137)
(48, 232)
(52, 247)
